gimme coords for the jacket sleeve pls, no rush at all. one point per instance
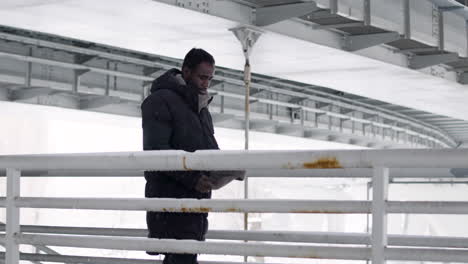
(157, 132)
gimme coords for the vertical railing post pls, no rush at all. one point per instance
(333, 7)
(247, 37)
(28, 77)
(12, 216)
(380, 182)
(367, 13)
(441, 40)
(407, 18)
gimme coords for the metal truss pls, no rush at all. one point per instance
(112, 80)
(323, 22)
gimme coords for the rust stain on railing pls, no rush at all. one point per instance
(184, 164)
(196, 210)
(323, 163)
(188, 210)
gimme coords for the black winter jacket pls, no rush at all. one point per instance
(171, 120)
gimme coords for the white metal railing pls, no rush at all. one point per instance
(343, 163)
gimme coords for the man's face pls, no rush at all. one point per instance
(200, 77)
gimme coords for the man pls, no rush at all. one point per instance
(175, 116)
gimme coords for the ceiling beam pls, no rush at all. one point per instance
(273, 14)
(339, 25)
(357, 42)
(27, 93)
(83, 59)
(423, 61)
(97, 101)
(298, 100)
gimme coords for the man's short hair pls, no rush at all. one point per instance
(195, 57)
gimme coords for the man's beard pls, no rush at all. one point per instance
(199, 90)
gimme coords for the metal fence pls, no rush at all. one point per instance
(378, 246)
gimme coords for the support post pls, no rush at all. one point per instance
(367, 13)
(116, 68)
(466, 36)
(221, 110)
(77, 79)
(146, 87)
(107, 79)
(12, 216)
(247, 37)
(407, 18)
(333, 7)
(380, 180)
(28, 77)
(441, 41)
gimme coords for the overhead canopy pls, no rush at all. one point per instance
(169, 30)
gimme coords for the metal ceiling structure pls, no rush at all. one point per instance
(292, 49)
(52, 70)
(419, 40)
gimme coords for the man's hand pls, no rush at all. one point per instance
(204, 184)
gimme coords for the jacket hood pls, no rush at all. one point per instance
(171, 81)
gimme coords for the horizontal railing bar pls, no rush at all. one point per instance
(430, 182)
(98, 231)
(41, 248)
(385, 113)
(197, 247)
(234, 77)
(268, 236)
(76, 49)
(237, 159)
(74, 66)
(102, 260)
(196, 205)
(422, 254)
(256, 249)
(240, 205)
(426, 207)
(257, 173)
(331, 114)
